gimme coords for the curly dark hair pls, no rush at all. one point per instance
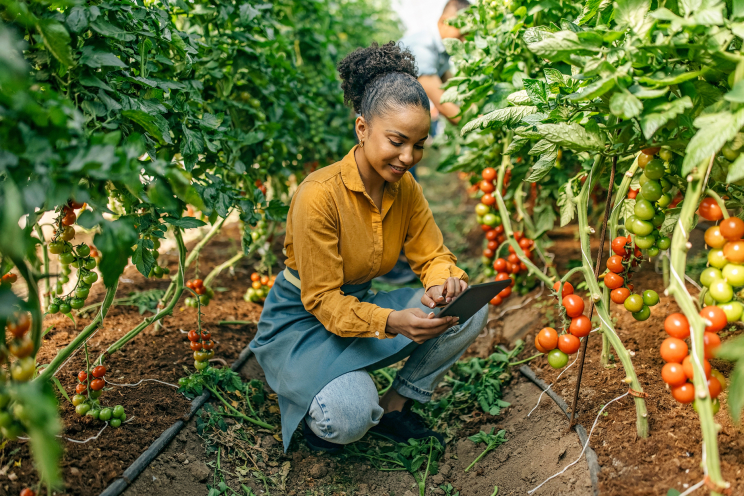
(377, 79)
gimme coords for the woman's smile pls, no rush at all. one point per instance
(398, 169)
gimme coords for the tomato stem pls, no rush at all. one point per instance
(512, 364)
(718, 200)
(45, 252)
(229, 406)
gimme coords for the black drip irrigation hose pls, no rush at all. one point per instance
(140, 464)
(590, 454)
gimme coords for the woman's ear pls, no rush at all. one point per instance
(362, 129)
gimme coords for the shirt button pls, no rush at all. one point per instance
(377, 333)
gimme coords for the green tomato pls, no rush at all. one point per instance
(59, 288)
(118, 411)
(201, 355)
(56, 247)
(708, 299)
(166, 270)
(658, 219)
(6, 420)
(66, 270)
(730, 153)
(4, 400)
(90, 277)
(653, 251)
(634, 303)
(123, 417)
(204, 300)
(83, 250)
(157, 270)
(65, 307)
(717, 259)
(643, 314)
(481, 209)
(663, 243)
(64, 279)
(115, 423)
(629, 223)
(77, 263)
(490, 219)
(23, 369)
(665, 184)
(200, 365)
(644, 209)
(645, 242)
(82, 409)
(650, 297)
(210, 292)
(78, 399)
(19, 412)
(721, 291)
(53, 309)
(105, 414)
(655, 170)
(82, 293)
(77, 303)
(479, 219)
(96, 414)
(66, 258)
(733, 311)
(651, 191)
(734, 274)
(557, 359)
(83, 284)
(664, 201)
(67, 248)
(255, 235)
(666, 154)
(642, 228)
(642, 179)
(90, 264)
(709, 275)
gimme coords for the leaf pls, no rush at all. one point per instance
(193, 144)
(247, 13)
(143, 258)
(715, 130)
(573, 136)
(590, 10)
(185, 222)
(736, 94)
(661, 114)
(450, 95)
(88, 80)
(114, 242)
(154, 124)
(108, 30)
(541, 147)
(625, 105)
(736, 170)
(554, 78)
(96, 60)
(560, 46)
(670, 222)
(667, 79)
(543, 166)
(632, 14)
(516, 145)
(736, 391)
(77, 19)
(57, 40)
(536, 90)
(593, 90)
(646, 93)
(210, 121)
(500, 117)
(566, 204)
(519, 98)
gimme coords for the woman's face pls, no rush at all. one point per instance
(394, 142)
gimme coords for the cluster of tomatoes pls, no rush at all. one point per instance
(205, 294)
(260, 287)
(157, 271)
(650, 203)
(559, 347)
(20, 346)
(511, 267)
(619, 274)
(726, 262)
(678, 370)
(202, 346)
(88, 391)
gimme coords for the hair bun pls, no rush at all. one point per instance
(364, 65)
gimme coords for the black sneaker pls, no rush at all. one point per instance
(317, 444)
(404, 425)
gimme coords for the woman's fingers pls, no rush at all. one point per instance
(427, 301)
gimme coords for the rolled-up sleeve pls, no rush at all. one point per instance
(424, 245)
(319, 263)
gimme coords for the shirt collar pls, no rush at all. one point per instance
(352, 179)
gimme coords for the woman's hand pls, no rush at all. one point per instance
(417, 326)
(445, 293)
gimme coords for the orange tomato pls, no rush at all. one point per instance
(567, 288)
(677, 326)
(496, 300)
(489, 174)
(615, 264)
(486, 186)
(673, 350)
(734, 251)
(688, 369)
(538, 346)
(505, 292)
(580, 326)
(619, 295)
(714, 238)
(684, 393)
(255, 277)
(488, 199)
(732, 228)
(673, 374)
(548, 338)
(613, 281)
(568, 344)
(714, 387)
(574, 305)
(711, 341)
(618, 245)
(264, 280)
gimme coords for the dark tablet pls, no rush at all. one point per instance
(473, 299)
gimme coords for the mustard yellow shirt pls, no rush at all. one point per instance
(336, 235)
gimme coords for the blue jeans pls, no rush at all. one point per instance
(348, 406)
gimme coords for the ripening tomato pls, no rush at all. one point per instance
(81, 388)
(673, 374)
(195, 345)
(644, 159)
(488, 253)
(539, 346)
(732, 228)
(492, 245)
(580, 326)
(651, 150)
(688, 369)
(673, 350)
(20, 326)
(499, 265)
(677, 326)
(548, 338)
(714, 238)
(487, 186)
(82, 376)
(567, 288)
(515, 268)
(613, 281)
(208, 345)
(489, 174)
(491, 235)
(97, 384)
(711, 342)
(505, 292)
(99, 371)
(190, 284)
(733, 251)
(69, 219)
(619, 295)
(721, 378)
(193, 335)
(618, 246)
(715, 318)
(502, 275)
(685, 393)
(496, 300)
(255, 277)
(488, 199)
(499, 230)
(615, 264)
(574, 305)
(568, 344)
(27, 492)
(714, 387)
(710, 210)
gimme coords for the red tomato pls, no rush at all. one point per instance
(255, 277)
(613, 281)
(732, 228)
(714, 317)
(513, 258)
(580, 326)
(714, 387)
(198, 283)
(488, 199)
(486, 228)
(619, 295)
(518, 235)
(522, 266)
(632, 194)
(496, 300)
(618, 245)
(511, 249)
(489, 174)
(499, 230)
(501, 238)
(615, 264)
(652, 150)
(524, 243)
(82, 376)
(673, 350)
(491, 235)
(492, 245)
(538, 346)
(27, 492)
(208, 345)
(20, 326)
(499, 265)
(206, 335)
(99, 371)
(687, 367)
(515, 269)
(195, 345)
(684, 393)
(486, 186)
(677, 326)
(548, 338)
(574, 305)
(501, 276)
(673, 374)
(711, 341)
(81, 388)
(97, 384)
(193, 335)
(488, 253)
(568, 344)
(190, 284)
(69, 219)
(710, 210)
(567, 288)
(505, 292)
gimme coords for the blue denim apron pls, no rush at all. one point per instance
(299, 356)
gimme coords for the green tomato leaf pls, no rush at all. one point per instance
(519, 98)
(566, 203)
(736, 391)
(659, 115)
(154, 124)
(561, 46)
(631, 14)
(736, 94)
(543, 165)
(572, 136)
(77, 19)
(57, 40)
(114, 242)
(185, 222)
(536, 90)
(715, 130)
(736, 170)
(625, 105)
(500, 117)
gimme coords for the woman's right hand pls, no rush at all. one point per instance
(418, 326)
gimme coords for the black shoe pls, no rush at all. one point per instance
(405, 425)
(317, 444)
(401, 274)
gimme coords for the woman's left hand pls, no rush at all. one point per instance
(444, 293)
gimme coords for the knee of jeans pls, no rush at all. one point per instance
(344, 412)
(475, 324)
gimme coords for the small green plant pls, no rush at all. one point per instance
(491, 440)
(449, 490)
